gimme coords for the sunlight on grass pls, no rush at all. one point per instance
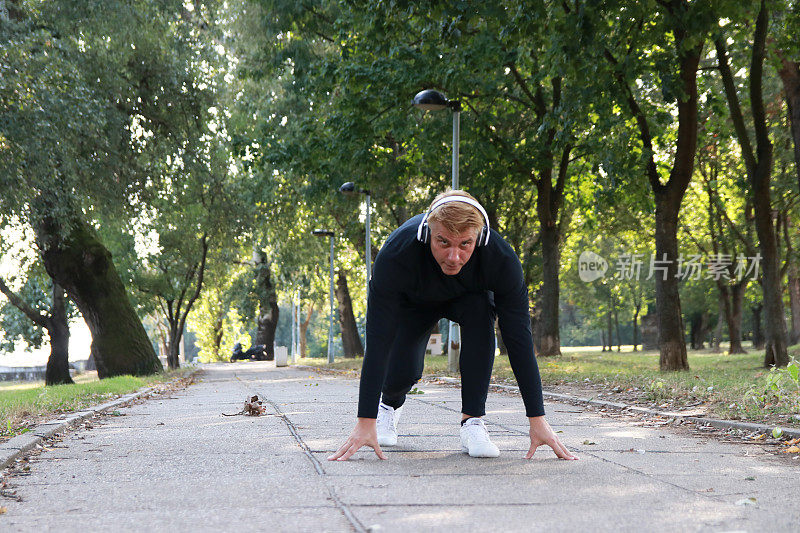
(722, 384)
(22, 404)
(85, 377)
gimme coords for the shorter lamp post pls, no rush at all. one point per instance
(329, 233)
(350, 189)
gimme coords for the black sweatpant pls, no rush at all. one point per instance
(475, 313)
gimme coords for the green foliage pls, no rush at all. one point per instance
(780, 388)
(16, 326)
(216, 320)
(164, 123)
(24, 404)
(121, 100)
(37, 291)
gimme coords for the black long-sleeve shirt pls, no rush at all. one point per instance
(406, 274)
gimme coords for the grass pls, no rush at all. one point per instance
(24, 404)
(717, 384)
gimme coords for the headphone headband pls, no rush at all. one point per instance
(455, 198)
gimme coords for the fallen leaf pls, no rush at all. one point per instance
(588, 442)
(793, 442)
(792, 449)
(777, 433)
(750, 478)
(760, 437)
(3, 510)
(747, 501)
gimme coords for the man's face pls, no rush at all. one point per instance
(451, 250)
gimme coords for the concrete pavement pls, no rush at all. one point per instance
(177, 464)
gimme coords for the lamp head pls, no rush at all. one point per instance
(431, 100)
(322, 233)
(350, 189)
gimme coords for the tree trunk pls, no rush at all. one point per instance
(77, 260)
(533, 319)
(304, 330)
(57, 372)
(776, 336)
(793, 281)
(717, 348)
(173, 346)
(636, 326)
(351, 341)
(546, 333)
(548, 203)
(732, 298)
(758, 163)
(217, 336)
(699, 330)
(616, 327)
(671, 342)
(603, 339)
(758, 335)
(267, 305)
(790, 76)
(501, 345)
(794, 300)
(609, 327)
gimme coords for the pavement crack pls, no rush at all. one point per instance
(342, 506)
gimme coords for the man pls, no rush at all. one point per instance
(447, 263)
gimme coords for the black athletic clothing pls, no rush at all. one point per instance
(475, 312)
(409, 292)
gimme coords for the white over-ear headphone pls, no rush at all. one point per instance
(424, 231)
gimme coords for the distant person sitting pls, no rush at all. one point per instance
(256, 352)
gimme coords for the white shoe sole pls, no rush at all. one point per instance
(481, 453)
(387, 441)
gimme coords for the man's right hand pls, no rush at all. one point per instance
(364, 434)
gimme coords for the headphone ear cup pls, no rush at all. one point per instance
(482, 237)
(426, 233)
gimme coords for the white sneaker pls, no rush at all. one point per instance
(387, 424)
(475, 439)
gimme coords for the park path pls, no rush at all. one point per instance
(177, 464)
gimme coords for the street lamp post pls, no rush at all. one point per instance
(294, 339)
(350, 188)
(297, 323)
(329, 233)
(432, 100)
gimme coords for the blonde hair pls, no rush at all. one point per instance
(456, 217)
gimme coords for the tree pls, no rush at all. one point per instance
(29, 302)
(106, 89)
(784, 46)
(351, 342)
(268, 311)
(758, 163)
(668, 54)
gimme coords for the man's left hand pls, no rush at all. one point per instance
(541, 433)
